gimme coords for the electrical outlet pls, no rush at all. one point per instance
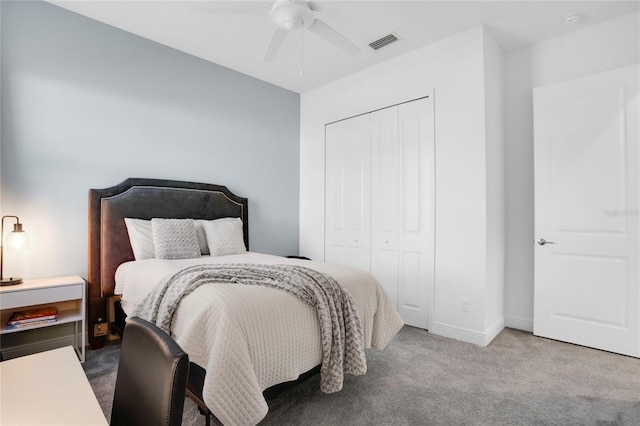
(466, 305)
(100, 329)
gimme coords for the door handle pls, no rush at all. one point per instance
(542, 242)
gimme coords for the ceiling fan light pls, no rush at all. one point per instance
(291, 24)
(290, 15)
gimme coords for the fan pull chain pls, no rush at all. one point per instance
(301, 52)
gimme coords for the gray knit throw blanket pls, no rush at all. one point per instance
(341, 330)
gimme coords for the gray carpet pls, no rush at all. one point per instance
(423, 379)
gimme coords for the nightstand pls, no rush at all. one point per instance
(67, 294)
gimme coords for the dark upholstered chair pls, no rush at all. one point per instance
(152, 378)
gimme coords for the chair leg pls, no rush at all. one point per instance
(207, 416)
(194, 390)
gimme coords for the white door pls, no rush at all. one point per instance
(416, 199)
(348, 192)
(587, 190)
(384, 199)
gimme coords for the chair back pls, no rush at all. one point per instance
(152, 378)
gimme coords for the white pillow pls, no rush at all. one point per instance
(142, 241)
(202, 237)
(224, 236)
(140, 238)
(175, 238)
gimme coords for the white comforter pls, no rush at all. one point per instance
(249, 338)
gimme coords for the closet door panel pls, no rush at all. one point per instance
(348, 192)
(416, 203)
(384, 199)
(357, 199)
(336, 166)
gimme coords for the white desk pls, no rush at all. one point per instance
(47, 388)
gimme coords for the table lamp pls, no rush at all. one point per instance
(17, 240)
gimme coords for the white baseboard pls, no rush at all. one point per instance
(518, 323)
(491, 332)
(471, 336)
(39, 346)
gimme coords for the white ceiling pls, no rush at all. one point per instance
(239, 41)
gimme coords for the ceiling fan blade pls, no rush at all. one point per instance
(323, 30)
(316, 6)
(277, 39)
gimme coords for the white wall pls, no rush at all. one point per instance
(609, 45)
(454, 69)
(495, 171)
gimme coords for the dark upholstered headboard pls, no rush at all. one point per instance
(144, 199)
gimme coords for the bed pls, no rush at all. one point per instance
(248, 338)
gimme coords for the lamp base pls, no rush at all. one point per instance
(10, 281)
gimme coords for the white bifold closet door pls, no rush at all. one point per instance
(402, 201)
(394, 178)
(348, 192)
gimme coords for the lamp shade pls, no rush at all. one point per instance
(17, 240)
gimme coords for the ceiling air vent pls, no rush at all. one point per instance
(384, 41)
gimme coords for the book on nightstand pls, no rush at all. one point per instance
(33, 317)
(31, 324)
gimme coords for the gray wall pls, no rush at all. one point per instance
(85, 105)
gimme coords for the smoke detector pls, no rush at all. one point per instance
(572, 18)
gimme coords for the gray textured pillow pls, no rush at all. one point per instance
(224, 236)
(174, 238)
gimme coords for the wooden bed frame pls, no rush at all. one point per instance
(143, 199)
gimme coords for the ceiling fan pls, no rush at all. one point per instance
(290, 15)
